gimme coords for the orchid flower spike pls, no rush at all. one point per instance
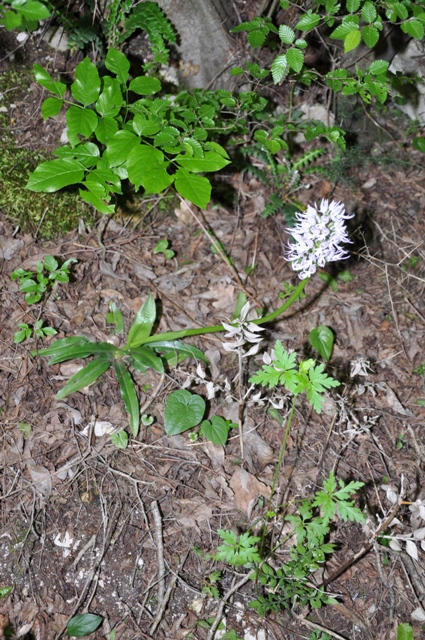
(317, 237)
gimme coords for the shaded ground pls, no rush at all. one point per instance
(81, 520)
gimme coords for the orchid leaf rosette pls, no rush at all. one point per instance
(317, 238)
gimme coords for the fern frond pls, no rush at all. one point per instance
(307, 158)
(149, 17)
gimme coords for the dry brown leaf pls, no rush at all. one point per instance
(41, 478)
(247, 489)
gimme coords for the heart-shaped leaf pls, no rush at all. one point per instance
(322, 339)
(183, 410)
(216, 429)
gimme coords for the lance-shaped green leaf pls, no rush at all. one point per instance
(83, 625)
(55, 174)
(145, 357)
(128, 394)
(183, 410)
(175, 351)
(87, 375)
(210, 162)
(86, 87)
(46, 81)
(142, 325)
(103, 349)
(194, 188)
(60, 345)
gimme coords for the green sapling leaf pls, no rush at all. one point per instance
(183, 410)
(120, 439)
(54, 175)
(117, 62)
(83, 624)
(142, 325)
(217, 429)
(145, 86)
(46, 81)
(128, 394)
(194, 188)
(83, 378)
(322, 339)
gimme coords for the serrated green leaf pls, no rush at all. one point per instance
(120, 439)
(194, 188)
(145, 86)
(128, 394)
(256, 38)
(83, 378)
(80, 121)
(117, 62)
(322, 340)
(143, 322)
(413, 28)
(295, 59)
(54, 175)
(369, 12)
(378, 67)
(370, 36)
(51, 107)
(352, 40)
(86, 86)
(353, 5)
(347, 27)
(280, 68)
(183, 410)
(83, 624)
(308, 21)
(286, 34)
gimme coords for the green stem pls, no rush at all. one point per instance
(184, 333)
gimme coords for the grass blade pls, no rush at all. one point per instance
(84, 377)
(128, 394)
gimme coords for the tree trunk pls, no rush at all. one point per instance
(205, 46)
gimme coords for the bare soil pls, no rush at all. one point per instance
(81, 521)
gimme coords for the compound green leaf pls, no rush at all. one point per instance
(370, 36)
(119, 147)
(322, 339)
(51, 107)
(295, 58)
(55, 174)
(142, 325)
(34, 11)
(106, 129)
(117, 62)
(210, 162)
(46, 81)
(110, 100)
(183, 410)
(96, 195)
(286, 34)
(145, 86)
(128, 394)
(83, 378)
(194, 188)
(86, 87)
(83, 624)
(352, 40)
(80, 122)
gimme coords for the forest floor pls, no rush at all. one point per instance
(80, 520)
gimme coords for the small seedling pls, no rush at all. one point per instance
(36, 285)
(26, 331)
(163, 247)
(210, 586)
(25, 429)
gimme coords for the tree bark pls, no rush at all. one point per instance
(205, 46)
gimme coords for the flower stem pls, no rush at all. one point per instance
(184, 333)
